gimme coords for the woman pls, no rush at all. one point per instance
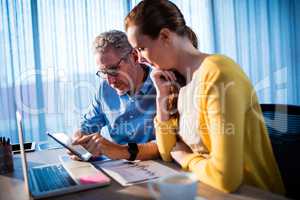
(218, 134)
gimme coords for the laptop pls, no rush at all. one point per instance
(61, 178)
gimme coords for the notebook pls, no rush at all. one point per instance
(129, 173)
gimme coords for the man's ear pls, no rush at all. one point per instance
(165, 36)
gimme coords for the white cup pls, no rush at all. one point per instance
(181, 186)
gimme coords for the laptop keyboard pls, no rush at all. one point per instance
(52, 177)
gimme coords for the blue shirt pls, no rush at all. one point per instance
(127, 118)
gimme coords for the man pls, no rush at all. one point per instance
(124, 103)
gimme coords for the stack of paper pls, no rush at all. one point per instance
(129, 173)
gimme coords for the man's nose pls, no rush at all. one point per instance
(111, 79)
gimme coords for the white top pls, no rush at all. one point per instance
(188, 108)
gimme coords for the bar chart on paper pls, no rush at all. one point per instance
(130, 173)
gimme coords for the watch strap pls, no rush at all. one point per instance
(133, 150)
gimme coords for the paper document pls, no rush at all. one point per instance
(129, 173)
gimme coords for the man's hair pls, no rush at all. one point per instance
(114, 39)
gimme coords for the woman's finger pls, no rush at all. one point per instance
(156, 74)
(161, 77)
(171, 76)
(174, 78)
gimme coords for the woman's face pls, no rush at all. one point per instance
(154, 51)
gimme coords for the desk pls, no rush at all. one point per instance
(12, 185)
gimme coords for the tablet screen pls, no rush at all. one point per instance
(66, 142)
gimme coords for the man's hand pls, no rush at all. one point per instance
(81, 139)
(98, 145)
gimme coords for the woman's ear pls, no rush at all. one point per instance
(165, 35)
(135, 55)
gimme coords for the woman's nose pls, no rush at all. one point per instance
(141, 58)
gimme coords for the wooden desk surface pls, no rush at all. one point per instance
(12, 185)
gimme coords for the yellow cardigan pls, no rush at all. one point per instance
(231, 128)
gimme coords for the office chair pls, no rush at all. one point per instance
(283, 123)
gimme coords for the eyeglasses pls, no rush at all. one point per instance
(112, 70)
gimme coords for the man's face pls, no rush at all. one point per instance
(115, 69)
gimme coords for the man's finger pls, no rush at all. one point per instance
(69, 152)
(73, 157)
(82, 139)
(91, 146)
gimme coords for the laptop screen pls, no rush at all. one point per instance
(23, 156)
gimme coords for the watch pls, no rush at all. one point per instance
(133, 150)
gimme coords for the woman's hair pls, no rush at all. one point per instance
(153, 15)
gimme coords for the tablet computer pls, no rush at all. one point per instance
(66, 142)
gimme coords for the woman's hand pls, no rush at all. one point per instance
(162, 81)
(180, 151)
